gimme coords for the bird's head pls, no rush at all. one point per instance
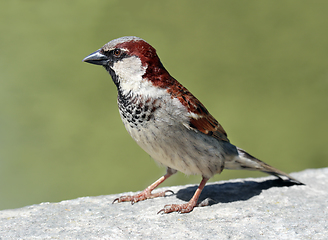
(132, 63)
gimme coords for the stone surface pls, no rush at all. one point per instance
(262, 208)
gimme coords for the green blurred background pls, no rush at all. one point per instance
(260, 67)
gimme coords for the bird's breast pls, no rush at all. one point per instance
(158, 126)
(137, 112)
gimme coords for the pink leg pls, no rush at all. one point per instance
(146, 194)
(189, 206)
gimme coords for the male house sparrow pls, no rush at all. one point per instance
(167, 121)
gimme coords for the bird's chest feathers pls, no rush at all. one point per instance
(136, 111)
(146, 117)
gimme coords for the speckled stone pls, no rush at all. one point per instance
(261, 208)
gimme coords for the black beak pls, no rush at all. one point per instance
(96, 58)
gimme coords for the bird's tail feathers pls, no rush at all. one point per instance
(248, 162)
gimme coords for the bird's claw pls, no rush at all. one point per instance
(116, 199)
(168, 191)
(179, 208)
(142, 196)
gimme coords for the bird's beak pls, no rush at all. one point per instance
(96, 58)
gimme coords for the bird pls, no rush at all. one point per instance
(168, 122)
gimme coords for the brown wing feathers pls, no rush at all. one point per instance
(201, 119)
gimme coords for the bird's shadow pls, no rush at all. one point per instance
(231, 191)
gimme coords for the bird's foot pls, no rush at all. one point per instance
(180, 208)
(189, 206)
(146, 194)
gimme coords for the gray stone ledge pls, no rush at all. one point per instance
(261, 208)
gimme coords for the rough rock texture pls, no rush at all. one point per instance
(262, 208)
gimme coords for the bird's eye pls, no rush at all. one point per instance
(117, 52)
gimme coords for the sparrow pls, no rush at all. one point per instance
(168, 122)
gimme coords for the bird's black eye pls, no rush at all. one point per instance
(117, 52)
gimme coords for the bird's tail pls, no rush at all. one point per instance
(248, 162)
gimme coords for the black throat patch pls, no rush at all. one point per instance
(136, 110)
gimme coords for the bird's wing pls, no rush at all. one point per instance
(209, 125)
(200, 119)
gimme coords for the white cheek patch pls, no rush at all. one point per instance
(129, 72)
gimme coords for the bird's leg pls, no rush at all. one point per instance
(146, 194)
(189, 206)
